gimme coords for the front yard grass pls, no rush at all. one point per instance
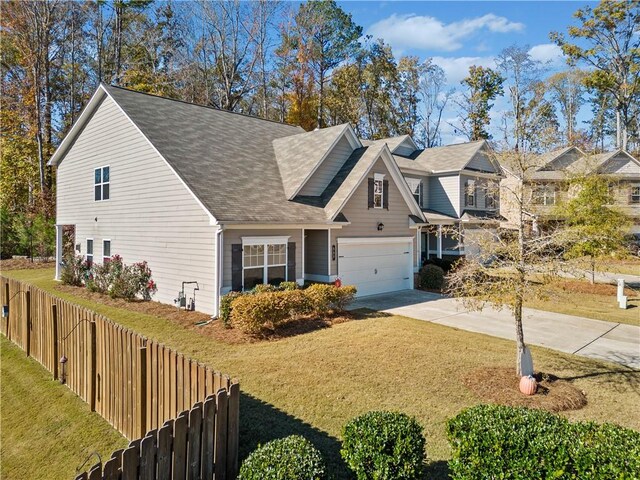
(313, 384)
(47, 431)
(581, 298)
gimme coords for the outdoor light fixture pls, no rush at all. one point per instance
(63, 358)
(380, 226)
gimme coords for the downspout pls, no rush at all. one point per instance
(220, 272)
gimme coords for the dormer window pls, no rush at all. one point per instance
(378, 190)
(101, 184)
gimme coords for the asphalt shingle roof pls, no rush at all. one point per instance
(442, 159)
(238, 181)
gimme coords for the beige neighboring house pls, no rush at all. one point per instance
(231, 201)
(546, 184)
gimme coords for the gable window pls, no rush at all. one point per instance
(415, 185)
(378, 190)
(264, 260)
(470, 193)
(544, 195)
(634, 194)
(106, 250)
(89, 251)
(101, 184)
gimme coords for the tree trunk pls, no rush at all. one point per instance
(520, 345)
(618, 129)
(593, 270)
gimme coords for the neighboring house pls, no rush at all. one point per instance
(232, 201)
(546, 185)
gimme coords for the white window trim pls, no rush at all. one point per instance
(93, 247)
(266, 241)
(411, 182)
(470, 186)
(378, 177)
(102, 199)
(106, 240)
(631, 199)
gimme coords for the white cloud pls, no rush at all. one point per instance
(547, 53)
(456, 68)
(415, 31)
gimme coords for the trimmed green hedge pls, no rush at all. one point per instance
(493, 441)
(267, 307)
(384, 446)
(431, 276)
(290, 458)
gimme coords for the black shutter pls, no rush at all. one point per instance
(236, 267)
(291, 262)
(385, 194)
(370, 197)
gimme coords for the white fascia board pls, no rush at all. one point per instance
(271, 240)
(324, 157)
(281, 226)
(78, 126)
(475, 173)
(212, 219)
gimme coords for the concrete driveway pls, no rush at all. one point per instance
(613, 342)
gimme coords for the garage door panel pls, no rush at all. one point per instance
(376, 267)
(356, 263)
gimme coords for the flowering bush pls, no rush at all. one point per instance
(113, 277)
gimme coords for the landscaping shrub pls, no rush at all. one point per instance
(443, 263)
(264, 287)
(225, 307)
(493, 441)
(325, 297)
(289, 458)
(432, 277)
(74, 271)
(289, 286)
(266, 311)
(384, 446)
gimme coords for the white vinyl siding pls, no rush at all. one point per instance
(445, 194)
(151, 215)
(328, 169)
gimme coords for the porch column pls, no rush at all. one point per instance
(58, 251)
(419, 247)
(329, 253)
(439, 241)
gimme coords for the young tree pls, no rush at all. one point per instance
(410, 71)
(511, 263)
(484, 85)
(595, 229)
(612, 32)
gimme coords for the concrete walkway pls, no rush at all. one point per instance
(613, 342)
(603, 277)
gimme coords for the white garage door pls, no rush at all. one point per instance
(376, 265)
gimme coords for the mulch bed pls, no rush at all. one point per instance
(25, 264)
(501, 385)
(202, 323)
(604, 289)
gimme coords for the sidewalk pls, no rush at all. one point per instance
(598, 339)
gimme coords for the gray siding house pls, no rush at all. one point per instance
(231, 201)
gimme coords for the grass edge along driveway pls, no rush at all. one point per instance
(313, 384)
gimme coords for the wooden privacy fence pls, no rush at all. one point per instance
(135, 383)
(190, 447)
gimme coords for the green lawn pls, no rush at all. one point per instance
(47, 431)
(313, 383)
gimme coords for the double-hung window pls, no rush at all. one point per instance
(491, 195)
(264, 260)
(544, 195)
(89, 251)
(634, 194)
(106, 250)
(415, 185)
(378, 190)
(470, 193)
(101, 184)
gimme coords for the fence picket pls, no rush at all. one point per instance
(180, 426)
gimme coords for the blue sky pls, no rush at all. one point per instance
(458, 34)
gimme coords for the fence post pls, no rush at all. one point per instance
(27, 325)
(54, 337)
(92, 365)
(141, 401)
(233, 429)
(6, 299)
